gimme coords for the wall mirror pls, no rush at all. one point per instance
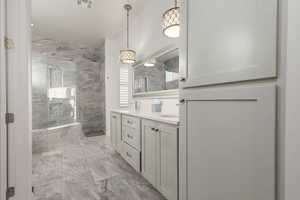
(158, 74)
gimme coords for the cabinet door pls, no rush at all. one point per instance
(228, 41)
(118, 134)
(149, 152)
(229, 136)
(115, 132)
(168, 162)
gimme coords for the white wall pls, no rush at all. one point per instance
(147, 34)
(292, 139)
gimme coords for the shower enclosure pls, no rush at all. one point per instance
(68, 86)
(53, 93)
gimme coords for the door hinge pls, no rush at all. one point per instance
(9, 43)
(10, 192)
(9, 118)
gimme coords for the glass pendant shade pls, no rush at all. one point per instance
(171, 23)
(127, 56)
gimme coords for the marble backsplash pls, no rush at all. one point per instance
(83, 69)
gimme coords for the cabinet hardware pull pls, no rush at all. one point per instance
(152, 129)
(129, 136)
(181, 101)
(157, 130)
(182, 79)
(129, 155)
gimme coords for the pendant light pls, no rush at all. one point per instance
(127, 56)
(171, 22)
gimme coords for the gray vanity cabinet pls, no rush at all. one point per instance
(227, 143)
(168, 161)
(115, 131)
(160, 157)
(227, 41)
(150, 152)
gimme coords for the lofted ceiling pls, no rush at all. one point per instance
(65, 20)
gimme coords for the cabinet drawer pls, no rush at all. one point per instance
(132, 156)
(131, 122)
(132, 136)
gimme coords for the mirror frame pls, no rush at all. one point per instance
(158, 54)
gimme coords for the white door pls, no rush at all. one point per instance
(150, 151)
(3, 143)
(18, 63)
(229, 149)
(168, 162)
(228, 41)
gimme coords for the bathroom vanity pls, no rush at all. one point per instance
(149, 143)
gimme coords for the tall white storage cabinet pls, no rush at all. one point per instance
(227, 135)
(228, 41)
(227, 146)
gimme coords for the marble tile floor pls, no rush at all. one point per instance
(87, 170)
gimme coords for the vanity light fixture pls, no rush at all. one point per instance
(171, 22)
(127, 56)
(150, 63)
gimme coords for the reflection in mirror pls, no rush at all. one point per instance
(157, 73)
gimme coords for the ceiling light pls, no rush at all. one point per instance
(171, 22)
(127, 56)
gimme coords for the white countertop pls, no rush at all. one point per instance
(173, 120)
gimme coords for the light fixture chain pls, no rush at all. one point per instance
(176, 3)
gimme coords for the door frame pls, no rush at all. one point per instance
(3, 163)
(18, 62)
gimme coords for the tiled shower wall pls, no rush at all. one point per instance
(84, 69)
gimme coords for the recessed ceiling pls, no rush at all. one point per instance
(65, 20)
